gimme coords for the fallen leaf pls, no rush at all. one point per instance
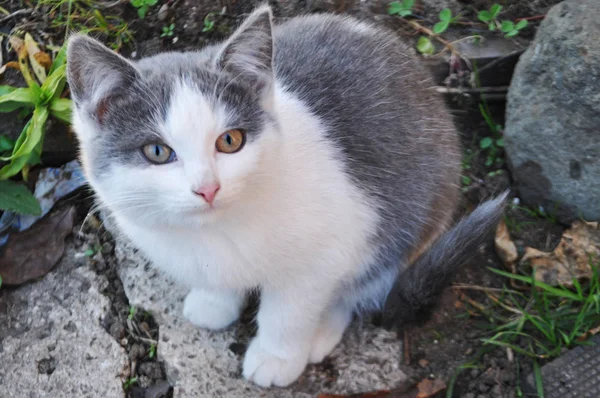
(33, 253)
(505, 247)
(430, 388)
(38, 59)
(570, 259)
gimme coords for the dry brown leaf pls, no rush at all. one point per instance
(430, 388)
(570, 259)
(505, 247)
(33, 253)
(35, 56)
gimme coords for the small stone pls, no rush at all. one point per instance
(163, 12)
(47, 366)
(136, 351)
(423, 363)
(117, 331)
(151, 369)
(469, 351)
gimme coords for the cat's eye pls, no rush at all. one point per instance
(158, 153)
(231, 141)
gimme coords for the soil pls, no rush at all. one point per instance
(448, 339)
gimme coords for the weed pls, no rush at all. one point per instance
(547, 320)
(509, 28)
(492, 147)
(445, 20)
(209, 22)
(130, 382)
(152, 351)
(539, 213)
(490, 16)
(86, 16)
(143, 6)
(168, 31)
(403, 8)
(132, 312)
(537, 325)
(40, 100)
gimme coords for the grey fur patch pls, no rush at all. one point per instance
(394, 134)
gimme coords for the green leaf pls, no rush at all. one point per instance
(142, 11)
(59, 60)
(492, 26)
(6, 90)
(6, 144)
(17, 199)
(495, 10)
(425, 46)
(485, 142)
(446, 15)
(17, 98)
(55, 83)
(395, 7)
(61, 108)
(151, 2)
(484, 16)
(408, 4)
(500, 142)
(512, 33)
(137, 3)
(521, 24)
(466, 180)
(440, 27)
(507, 26)
(0, 280)
(29, 139)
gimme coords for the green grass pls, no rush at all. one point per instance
(87, 16)
(537, 322)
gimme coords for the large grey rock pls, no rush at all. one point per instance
(553, 114)
(51, 340)
(201, 363)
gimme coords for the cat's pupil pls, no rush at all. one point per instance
(228, 139)
(157, 150)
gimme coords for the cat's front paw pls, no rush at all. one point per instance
(266, 369)
(212, 310)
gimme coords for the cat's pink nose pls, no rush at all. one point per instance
(208, 192)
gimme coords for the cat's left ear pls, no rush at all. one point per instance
(248, 53)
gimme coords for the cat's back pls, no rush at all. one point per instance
(376, 99)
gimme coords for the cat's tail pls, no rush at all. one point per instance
(418, 287)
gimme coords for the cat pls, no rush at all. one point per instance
(309, 160)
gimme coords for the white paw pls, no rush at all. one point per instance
(325, 341)
(212, 310)
(266, 369)
(329, 334)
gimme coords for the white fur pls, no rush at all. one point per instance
(286, 220)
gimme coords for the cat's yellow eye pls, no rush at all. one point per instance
(231, 141)
(158, 153)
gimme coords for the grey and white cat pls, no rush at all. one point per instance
(309, 160)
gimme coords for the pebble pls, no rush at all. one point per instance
(423, 363)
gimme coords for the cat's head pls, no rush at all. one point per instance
(179, 137)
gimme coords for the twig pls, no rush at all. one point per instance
(482, 288)
(24, 11)
(427, 31)
(533, 18)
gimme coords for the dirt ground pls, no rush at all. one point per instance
(448, 339)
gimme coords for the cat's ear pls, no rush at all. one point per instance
(96, 75)
(248, 53)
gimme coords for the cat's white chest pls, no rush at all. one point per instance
(194, 258)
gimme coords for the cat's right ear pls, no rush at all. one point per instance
(96, 75)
